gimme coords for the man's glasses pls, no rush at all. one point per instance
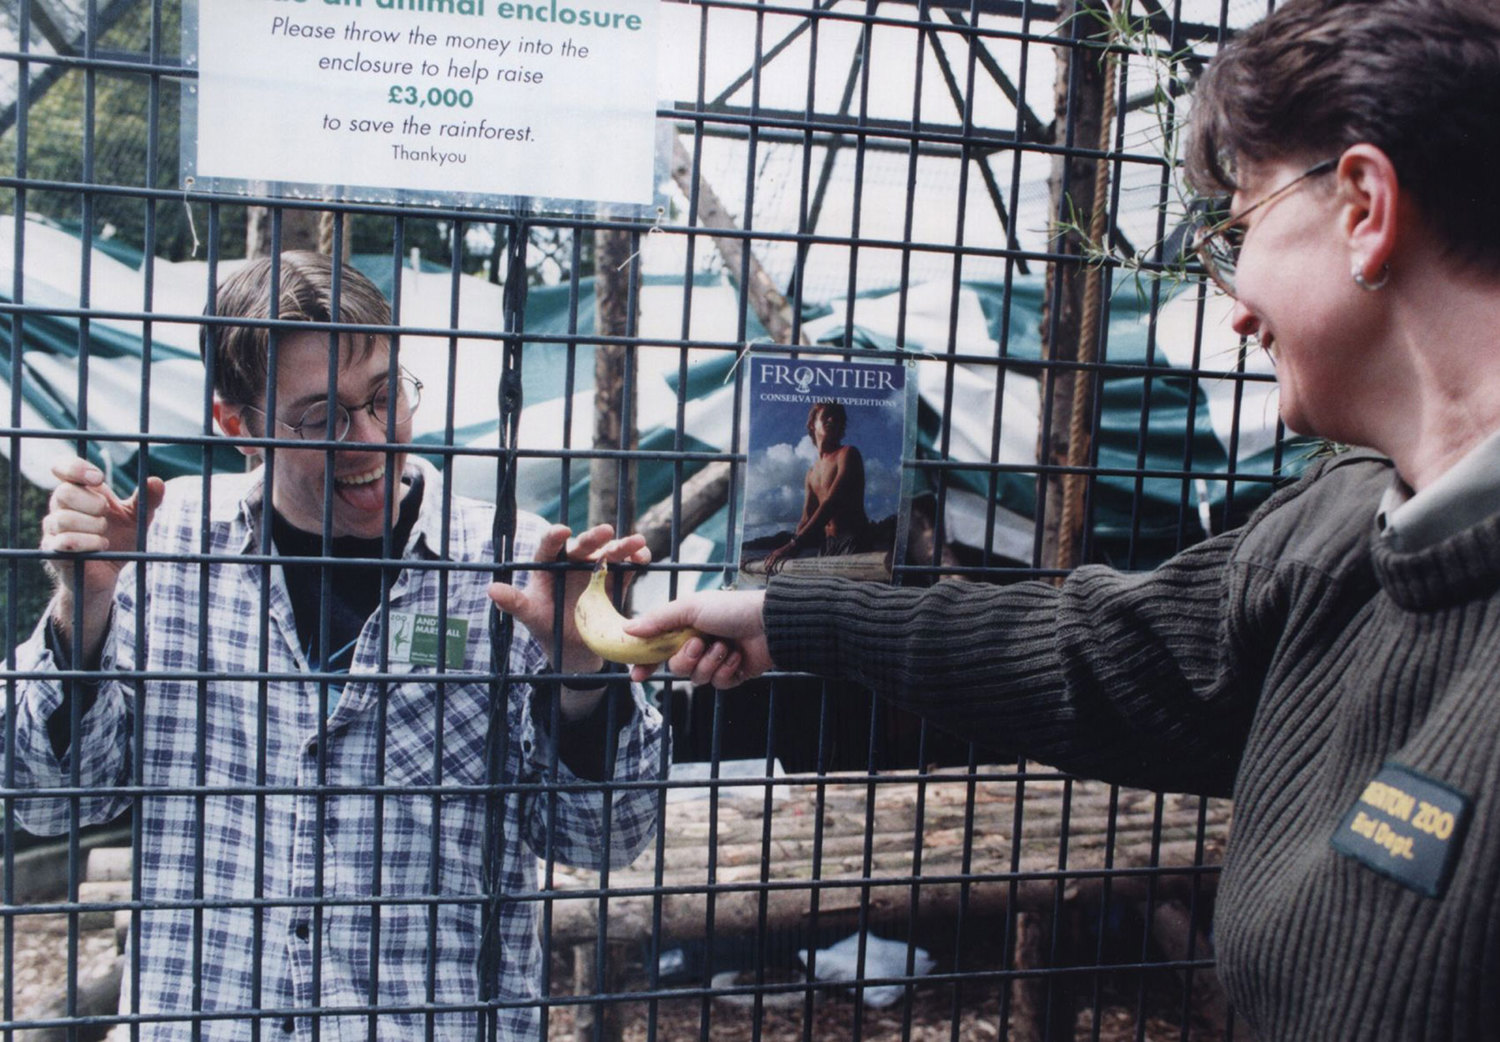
(1217, 234)
(313, 423)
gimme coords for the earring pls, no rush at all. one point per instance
(1365, 284)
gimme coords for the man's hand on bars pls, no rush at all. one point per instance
(533, 604)
(733, 648)
(84, 516)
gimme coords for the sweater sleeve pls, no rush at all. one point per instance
(1123, 677)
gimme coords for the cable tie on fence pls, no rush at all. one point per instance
(740, 357)
(187, 208)
(661, 215)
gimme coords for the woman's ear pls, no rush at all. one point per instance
(233, 422)
(1371, 202)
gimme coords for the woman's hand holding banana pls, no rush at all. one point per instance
(602, 627)
(728, 646)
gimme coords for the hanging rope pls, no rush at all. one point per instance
(1074, 482)
(325, 233)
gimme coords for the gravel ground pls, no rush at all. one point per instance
(39, 958)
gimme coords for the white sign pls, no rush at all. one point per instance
(364, 99)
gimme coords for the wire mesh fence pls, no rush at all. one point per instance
(298, 777)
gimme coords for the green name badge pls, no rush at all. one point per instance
(414, 639)
(1407, 827)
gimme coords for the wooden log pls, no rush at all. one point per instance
(707, 491)
(107, 864)
(876, 871)
(740, 262)
(703, 495)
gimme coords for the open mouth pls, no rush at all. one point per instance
(368, 477)
(364, 490)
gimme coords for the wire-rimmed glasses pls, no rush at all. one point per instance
(313, 424)
(1217, 234)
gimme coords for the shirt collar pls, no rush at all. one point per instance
(1465, 494)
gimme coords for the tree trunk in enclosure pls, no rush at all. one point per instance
(703, 495)
(300, 230)
(612, 481)
(750, 279)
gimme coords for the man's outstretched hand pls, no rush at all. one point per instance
(733, 646)
(532, 603)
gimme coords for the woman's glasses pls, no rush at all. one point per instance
(1217, 234)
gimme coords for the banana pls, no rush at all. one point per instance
(602, 628)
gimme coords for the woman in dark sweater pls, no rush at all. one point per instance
(1335, 664)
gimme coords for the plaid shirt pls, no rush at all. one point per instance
(261, 830)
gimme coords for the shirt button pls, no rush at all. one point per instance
(312, 750)
(301, 936)
(289, 1025)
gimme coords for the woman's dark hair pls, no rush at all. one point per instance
(1418, 79)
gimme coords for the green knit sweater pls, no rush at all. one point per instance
(1348, 696)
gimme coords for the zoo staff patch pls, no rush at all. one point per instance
(1407, 827)
(414, 639)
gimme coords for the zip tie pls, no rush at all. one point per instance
(740, 357)
(187, 184)
(661, 214)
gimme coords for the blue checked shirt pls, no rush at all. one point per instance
(284, 867)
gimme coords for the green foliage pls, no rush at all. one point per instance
(1166, 74)
(110, 115)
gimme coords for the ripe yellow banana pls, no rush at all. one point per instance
(602, 628)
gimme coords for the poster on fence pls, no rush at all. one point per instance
(826, 491)
(543, 105)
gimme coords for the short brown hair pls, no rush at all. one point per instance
(305, 285)
(1418, 79)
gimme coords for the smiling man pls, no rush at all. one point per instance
(339, 831)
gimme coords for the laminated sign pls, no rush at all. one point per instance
(545, 105)
(826, 488)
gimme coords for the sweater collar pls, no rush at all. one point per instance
(1462, 567)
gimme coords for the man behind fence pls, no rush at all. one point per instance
(313, 837)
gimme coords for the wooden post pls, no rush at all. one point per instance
(611, 484)
(1179, 938)
(1028, 994)
(300, 230)
(597, 1021)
